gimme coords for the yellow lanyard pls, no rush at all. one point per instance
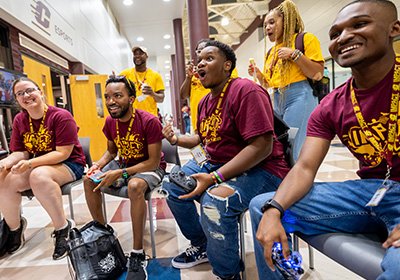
(118, 142)
(138, 82)
(212, 123)
(41, 124)
(393, 115)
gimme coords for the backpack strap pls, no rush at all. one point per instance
(299, 42)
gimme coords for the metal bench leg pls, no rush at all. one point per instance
(311, 256)
(104, 207)
(153, 242)
(71, 206)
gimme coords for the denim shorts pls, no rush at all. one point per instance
(75, 169)
(152, 178)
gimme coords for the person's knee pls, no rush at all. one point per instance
(136, 188)
(258, 201)
(39, 178)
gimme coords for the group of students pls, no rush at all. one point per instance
(239, 162)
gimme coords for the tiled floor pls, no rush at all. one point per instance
(34, 260)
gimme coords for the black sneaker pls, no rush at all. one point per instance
(4, 232)
(60, 243)
(16, 238)
(191, 257)
(137, 264)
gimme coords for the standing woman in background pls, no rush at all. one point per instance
(286, 68)
(46, 154)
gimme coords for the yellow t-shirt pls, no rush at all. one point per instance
(312, 50)
(152, 79)
(197, 92)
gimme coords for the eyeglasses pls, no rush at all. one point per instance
(28, 91)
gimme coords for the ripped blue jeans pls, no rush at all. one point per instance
(218, 224)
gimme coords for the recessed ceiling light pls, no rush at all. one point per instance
(166, 36)
(167, 66)
(140, 39)
(166, 0)
(127, 2)
(167, 62)
(167, 47)
(224, 21)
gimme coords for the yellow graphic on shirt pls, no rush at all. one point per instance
(37, 141)
(359, 144)
(130, 147)
(209, 128)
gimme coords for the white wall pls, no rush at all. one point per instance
(79, 30)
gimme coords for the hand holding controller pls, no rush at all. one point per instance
(290, 268)
(178, 177)
(95, 176)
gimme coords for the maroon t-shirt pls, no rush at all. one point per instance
(59, 129)
(146, 129)
(246, 113)
(335, 115)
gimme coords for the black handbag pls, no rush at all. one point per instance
(95, 252)
(4, 231)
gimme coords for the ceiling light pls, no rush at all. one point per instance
(167, 66)
(127, 2)
(140, 39)
(166, 0)
(167, 62)
(224, 21)
(167, 47)
(166, 36)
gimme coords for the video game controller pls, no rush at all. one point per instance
(291, 268)
(178, 177)
(95, 176)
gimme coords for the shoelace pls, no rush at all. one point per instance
(192, 250)
(135, 264)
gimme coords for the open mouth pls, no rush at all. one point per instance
(349, 48)
(201, 73)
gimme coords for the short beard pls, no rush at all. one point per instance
(124, 111)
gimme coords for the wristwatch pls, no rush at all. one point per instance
(125, 174)
(272, 204)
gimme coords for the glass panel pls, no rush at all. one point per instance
(99, 100)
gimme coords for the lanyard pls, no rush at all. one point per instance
(213, 122)
(118, 142)
(138, 82)
(41, 124)
(392, 123)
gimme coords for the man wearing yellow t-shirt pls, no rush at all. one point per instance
(192, 87)
(148, 83)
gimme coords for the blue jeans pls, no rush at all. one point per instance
(336, 207)
(218, 225)
(187, 124)
(295, 105)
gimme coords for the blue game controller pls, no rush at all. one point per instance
(290, 268)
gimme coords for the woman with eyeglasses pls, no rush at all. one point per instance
(286, 68)
(45, 154)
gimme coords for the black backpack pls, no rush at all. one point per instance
(320, 88)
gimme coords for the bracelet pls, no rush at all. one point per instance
(30, 164)
(214, 178)
(220, 176)
(176, 142)
(219, 180)
(296, 55)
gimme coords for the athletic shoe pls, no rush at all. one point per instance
(16, 238)
(191, 257)
(236, 277)
(60, 242)
(137, 264)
